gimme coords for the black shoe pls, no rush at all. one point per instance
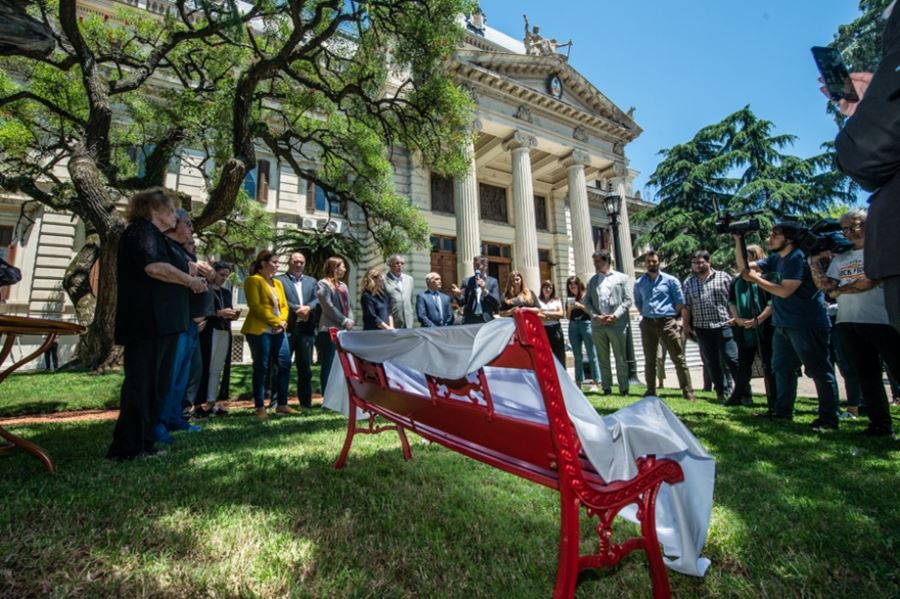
(819, 425)
(785, 417)
(607, 392)
(747, 402)
(732, 401)
(767, 414)
(200, 414)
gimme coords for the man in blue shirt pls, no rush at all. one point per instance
(801, 324)
(660, 300)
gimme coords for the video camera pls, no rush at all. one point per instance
(824, 236)
(728, 224)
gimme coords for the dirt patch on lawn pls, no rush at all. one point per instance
(74, 416)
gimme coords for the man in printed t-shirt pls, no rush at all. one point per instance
(801, 323)
(863, 327)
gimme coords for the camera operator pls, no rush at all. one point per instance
(868, 151)
(801, 323)
(862, 325)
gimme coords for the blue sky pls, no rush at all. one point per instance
(685, 64)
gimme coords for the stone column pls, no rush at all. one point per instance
(582, 239)
(627, 260)
(468, 233)
(526, 250)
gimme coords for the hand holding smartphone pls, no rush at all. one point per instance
(835, 74)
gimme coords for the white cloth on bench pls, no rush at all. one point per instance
(612, 443)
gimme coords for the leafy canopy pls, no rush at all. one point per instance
(736, 166)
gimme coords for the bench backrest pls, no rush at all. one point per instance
(463, 415)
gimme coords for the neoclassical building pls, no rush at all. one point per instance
(549, 148)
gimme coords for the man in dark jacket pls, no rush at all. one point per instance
(480, 294)
(868, 150)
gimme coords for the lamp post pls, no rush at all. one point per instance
(613, 205)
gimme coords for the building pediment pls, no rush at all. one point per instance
(548, 82)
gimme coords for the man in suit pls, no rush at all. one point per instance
(303, 305)
(480, 294)
(399, 287)
(432, 306)
(868, 151)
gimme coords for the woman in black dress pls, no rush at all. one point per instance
(151, 312)
(375, 304)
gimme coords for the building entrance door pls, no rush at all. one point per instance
(443, 260)
(499, 262)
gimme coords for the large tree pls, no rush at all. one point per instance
(328, 86)
(734, 166)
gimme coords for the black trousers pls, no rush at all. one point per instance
(302, 348)
(746, 355)
(557, 342)
(891, 287)
(720, 355)
(867, 345)
(148, 374)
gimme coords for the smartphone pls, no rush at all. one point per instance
(834, 73)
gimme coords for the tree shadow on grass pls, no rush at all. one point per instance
(256, 508)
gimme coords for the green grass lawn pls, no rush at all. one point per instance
(43, 393)
(255, 509)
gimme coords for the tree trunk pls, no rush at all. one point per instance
(96, 348)
(95, 206)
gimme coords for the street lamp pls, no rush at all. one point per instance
(613, 205)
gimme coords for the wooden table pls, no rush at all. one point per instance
(11, 327)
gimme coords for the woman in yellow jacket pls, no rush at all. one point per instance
(265, 332)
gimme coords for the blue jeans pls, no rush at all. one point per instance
(792, 348)
(264, 349)
(580, 334)
(171, 416)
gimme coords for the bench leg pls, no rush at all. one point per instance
(404, 442)
(348, 440)
(658, 574)
(567, 565)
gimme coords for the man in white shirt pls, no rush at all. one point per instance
(608, 298)
(863, 326)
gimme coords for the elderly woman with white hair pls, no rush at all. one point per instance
(862, 331)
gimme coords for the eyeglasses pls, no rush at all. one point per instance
(856, 227)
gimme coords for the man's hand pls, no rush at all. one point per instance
(480, 281)
(455, 290)
(203, 268)
(348, 324)
(198, 285)
(201, 325)
(303, 312)
(860, 82)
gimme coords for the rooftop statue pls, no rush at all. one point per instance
(538, 45)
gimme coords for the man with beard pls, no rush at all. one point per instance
(801, 323)
(659, 298)
(706, 314)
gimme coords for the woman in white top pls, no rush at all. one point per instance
(551, 313)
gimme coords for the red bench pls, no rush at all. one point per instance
(461, 415)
